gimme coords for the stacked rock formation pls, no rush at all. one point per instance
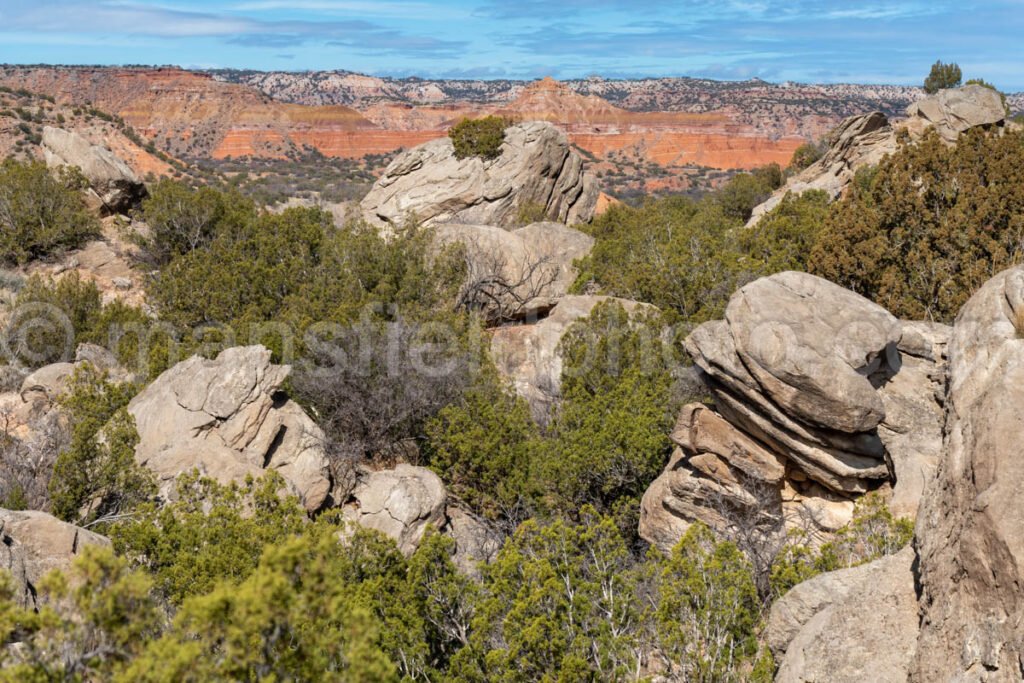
(804, 375)
(536, 168)
(947, 608)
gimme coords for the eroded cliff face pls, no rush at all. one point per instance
(192, 114)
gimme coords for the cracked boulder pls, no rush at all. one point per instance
(537, 168)
(400, 503)
(32, 544)
(229, 418)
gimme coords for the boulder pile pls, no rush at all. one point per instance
(948, 607)
(228, 418)
(819, 397)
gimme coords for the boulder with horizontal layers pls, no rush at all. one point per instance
(819, 396)
(970, 527)
(32, 544)
(115, 185)
(516, 274)
(400, 503)
(537, 168)
(848, 626)
(789, 366)
(229, 418)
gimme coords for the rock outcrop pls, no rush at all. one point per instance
(949, 607)
(32, 544)
(528, 354)
(955, 111)
(517, 274)
(399, 503)
(862, 141)
(819, 396)
(970, 529)
(114, 185)
(228, 418)
(536, 168)
(848, 626)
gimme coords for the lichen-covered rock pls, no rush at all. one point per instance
(536, 168)
(32, 544)
(228, 418)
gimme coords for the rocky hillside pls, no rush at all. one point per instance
(24, 115)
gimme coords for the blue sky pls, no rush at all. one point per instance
(867, 41)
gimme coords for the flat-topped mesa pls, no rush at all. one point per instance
(819, 396)
(536, 169)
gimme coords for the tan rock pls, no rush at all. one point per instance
(970, 526)
(536, 167)
(517, 274)
(227, 418)
(528, 355)
(400, 503)
(32, 544)
(848, 626)
(114, 183)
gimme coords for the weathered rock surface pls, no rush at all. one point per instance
(819, 396)
(970, 528)
(956, 110)
(537, 167)
(116, 186)
(848, 626)
(528, 354)
(32, 544)
(519, 273)
(789, 366)
(399, 503)
(862, 141)
(228, 418)
(476, 542)
(914, 398)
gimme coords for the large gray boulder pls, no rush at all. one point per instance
(32, 544)
(400, 503)
(848, 626)
(228, 419)
(115, 185)
(819, 396)
(537, 167)
(516, 274)
(790, 366)
(970, 528)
